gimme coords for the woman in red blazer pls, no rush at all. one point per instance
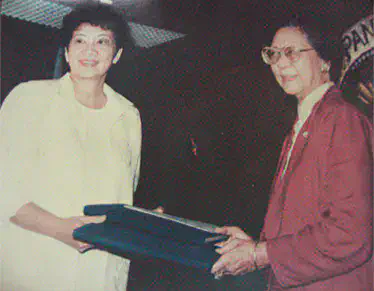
(318, 232)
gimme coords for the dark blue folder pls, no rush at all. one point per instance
(136, 232)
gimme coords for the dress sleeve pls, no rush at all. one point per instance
(18, 133)
(136, 150)
(342, 239)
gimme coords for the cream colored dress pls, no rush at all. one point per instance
(62, 155)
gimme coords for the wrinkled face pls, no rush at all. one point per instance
(301, 77)
(91, 52)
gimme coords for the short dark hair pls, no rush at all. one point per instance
(98, 15)
(322, 36)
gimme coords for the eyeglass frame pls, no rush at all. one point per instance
(282, 51)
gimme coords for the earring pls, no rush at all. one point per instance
(325, 67)
(66, 55)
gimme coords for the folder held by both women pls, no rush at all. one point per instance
(135, 232)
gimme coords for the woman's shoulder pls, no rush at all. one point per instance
(334, 109)
(334, 104)
(123, 102)
(32, 90)
(30, 99)
(31, 94)
(36, 85)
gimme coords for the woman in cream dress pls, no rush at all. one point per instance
(64, 144)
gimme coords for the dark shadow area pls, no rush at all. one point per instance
(28, 52)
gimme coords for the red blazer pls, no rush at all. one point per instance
(319, 222)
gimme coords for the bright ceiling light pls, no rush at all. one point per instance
(51, 14)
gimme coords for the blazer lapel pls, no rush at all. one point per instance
(273, 216)
(303, 136)
(297, 151)
(273, 220)
(282, 162)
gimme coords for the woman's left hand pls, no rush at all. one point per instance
(233, 232)
(237, 253)
(237, 258)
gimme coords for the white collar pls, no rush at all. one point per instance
(117, 103)
(305, 108)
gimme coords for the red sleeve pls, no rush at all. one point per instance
(342, 241)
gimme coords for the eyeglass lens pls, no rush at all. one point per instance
(272, 56)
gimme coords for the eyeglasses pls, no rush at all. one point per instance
(271, 55)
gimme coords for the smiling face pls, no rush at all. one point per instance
(91, 52)
(301, 77)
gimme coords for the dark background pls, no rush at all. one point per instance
(210, 85)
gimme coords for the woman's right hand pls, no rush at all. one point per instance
(159, 209)
(34, 218)
(66, 226)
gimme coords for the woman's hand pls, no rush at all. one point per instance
(366, 92)
(34, 218)
(66, 226)
(237, 253)
(232, 231)
(237, 258)
(159, 209)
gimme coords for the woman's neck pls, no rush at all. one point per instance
(304, 94)
(90, 92)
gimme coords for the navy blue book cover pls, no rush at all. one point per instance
(134, 232)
